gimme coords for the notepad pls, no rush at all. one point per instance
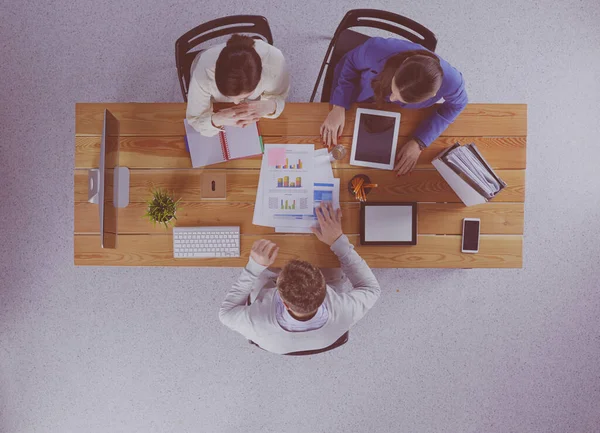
(231, 143)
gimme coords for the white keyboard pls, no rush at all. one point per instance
(201, 242)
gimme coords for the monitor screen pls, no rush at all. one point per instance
(109, 160)
(375, 140)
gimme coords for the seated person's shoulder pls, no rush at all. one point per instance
(380, 49)
(399, 44)
(206, 60)
(268, 52)
(339, 307)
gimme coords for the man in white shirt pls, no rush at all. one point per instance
(301, 311)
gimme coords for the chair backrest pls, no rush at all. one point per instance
(337, 343)
(187, 46)
(345, 40)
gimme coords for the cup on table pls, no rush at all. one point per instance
(338, 152)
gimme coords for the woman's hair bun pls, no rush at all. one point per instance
(240, 41)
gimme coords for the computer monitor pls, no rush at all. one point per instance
(107, 192)
(108, 185)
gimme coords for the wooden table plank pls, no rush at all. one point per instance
(433, 218)
(170, 152)
(420, 185)
(430, 252)
(166, 119)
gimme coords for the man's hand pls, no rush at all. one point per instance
(407, 157)
(330, 223)
(332, 128)
(264, 252)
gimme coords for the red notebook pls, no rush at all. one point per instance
(232, 143)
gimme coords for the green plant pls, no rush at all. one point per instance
(162, 208)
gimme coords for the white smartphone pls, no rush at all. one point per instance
(470, 235)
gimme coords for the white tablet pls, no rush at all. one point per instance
(388, 224)
(375, 138)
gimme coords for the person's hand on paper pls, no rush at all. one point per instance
(332, 127)
(264, 252)
(330, 223)
(407, 157)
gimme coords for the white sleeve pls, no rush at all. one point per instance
(365, 288)
(277, 85)
(234, 312)
(199, 109)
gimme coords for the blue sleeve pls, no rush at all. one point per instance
(455, 100)
(355, 61)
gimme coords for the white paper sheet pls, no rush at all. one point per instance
(328, 191)
(203, 150)
(294, 222)
(323, 170)
(285, 183)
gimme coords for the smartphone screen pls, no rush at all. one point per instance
(470, 235)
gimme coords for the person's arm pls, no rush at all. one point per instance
(234, 312)
(365, 288)
(455, 100)
(200, 110)
(277, 86)
(361, 57)
(234, 309)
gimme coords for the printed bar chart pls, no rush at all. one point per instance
(288, 166)
(285, 205)
(284, 182)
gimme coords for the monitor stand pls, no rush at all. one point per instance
(120, 192)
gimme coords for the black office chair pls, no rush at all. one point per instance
(186, 46)
(345, 40)
(337, 343)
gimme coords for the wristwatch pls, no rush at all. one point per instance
(420, 143)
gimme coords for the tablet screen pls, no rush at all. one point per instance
(375, 138)
(388, 223)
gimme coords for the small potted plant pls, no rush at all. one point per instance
(162, 208)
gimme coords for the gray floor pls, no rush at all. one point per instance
(142, 350)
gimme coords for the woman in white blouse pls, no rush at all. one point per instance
(250, 73)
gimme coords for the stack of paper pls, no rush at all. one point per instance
(294, 179)
(467, 162)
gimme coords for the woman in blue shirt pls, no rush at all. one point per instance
(399, 71)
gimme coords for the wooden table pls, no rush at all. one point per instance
(152, 146)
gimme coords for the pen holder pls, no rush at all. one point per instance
(366, 181)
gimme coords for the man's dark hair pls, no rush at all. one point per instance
(302, 287)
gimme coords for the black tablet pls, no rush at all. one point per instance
(375, 138)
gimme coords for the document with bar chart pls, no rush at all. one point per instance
(286, 181)
(289, 186)
(325, 191)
